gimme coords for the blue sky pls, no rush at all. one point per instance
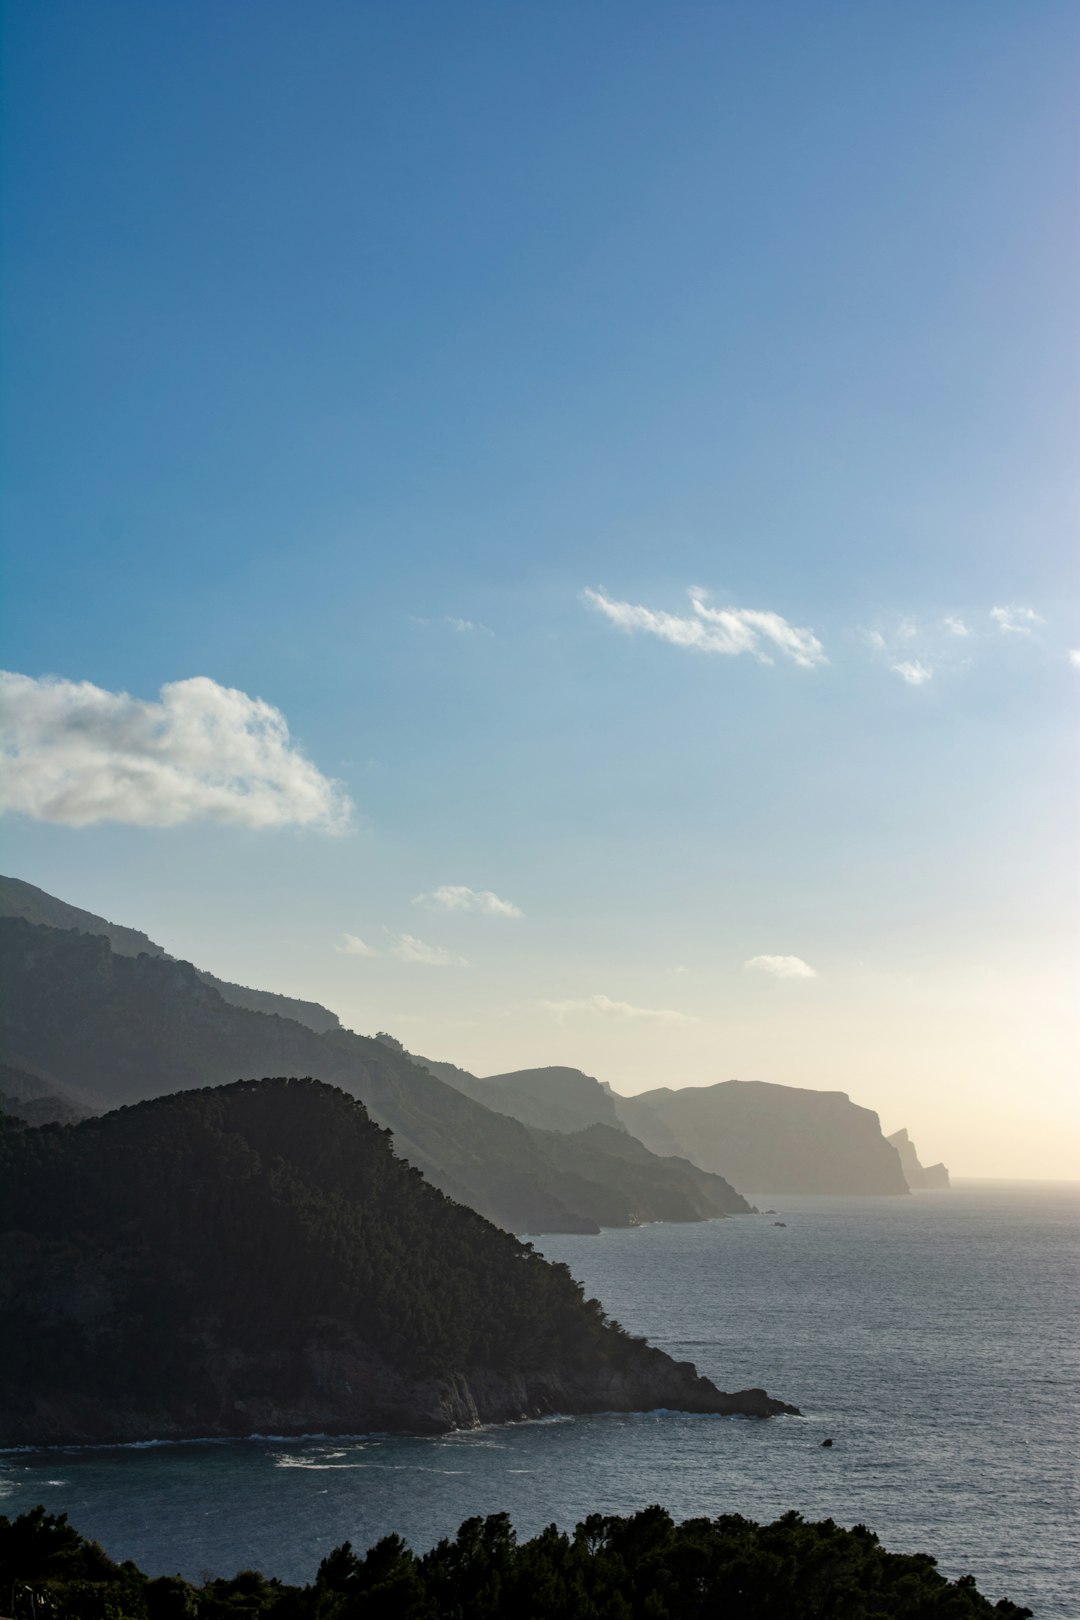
(347, 347)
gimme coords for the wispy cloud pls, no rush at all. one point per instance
(957, 625)
(353, 945)
(467, 627)
(464, 627)
(1017, 621)
(782, 967)
(728, 631)
(1074, 657)
(459, 897)
(407, 948)
(77, 754)
(891, 644)
(606, 1008)
(914, 672)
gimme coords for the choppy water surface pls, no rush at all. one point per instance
(935, 1338)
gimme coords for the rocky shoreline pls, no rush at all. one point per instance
(347, 1391)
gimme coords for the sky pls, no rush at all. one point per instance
(552, 529)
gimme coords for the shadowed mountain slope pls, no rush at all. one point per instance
(763, 1137)
(575, 1119)
(255, 1258)
(552, 1099)
(19, 899)
(37, 1099)
(116, 1029)
(772, 1139)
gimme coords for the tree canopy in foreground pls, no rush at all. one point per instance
(645, 1567)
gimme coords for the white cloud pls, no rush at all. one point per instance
(782, 967)
(1015, 620)
(956, 625)
(607, 1008)
(729, 631)
(914, 672)
(407, 948)
(77, 754)
(1074, 658)
(352, 945)
(459, 897)
(876, 640)
(466, 627)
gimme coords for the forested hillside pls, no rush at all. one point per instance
(254, 1258)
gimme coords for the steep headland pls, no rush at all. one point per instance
(115, 1029)
(763, 1138)
(769, 1138)
(255, 1258)
(919, 1177)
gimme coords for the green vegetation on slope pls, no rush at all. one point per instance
(644, 1567)
(254, 1257)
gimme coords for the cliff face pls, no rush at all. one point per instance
(919, 1177)
(763, 1138)
(254, 1258)
(770, 1139)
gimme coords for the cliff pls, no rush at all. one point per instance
(764, 1138)
(919, 1177)
(255, 1258)
(768, 1138)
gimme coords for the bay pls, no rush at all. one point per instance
(933, 1338)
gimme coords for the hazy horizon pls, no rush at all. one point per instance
(554, 532)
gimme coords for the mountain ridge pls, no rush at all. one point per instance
(116, 1029)
(21, 899)
(769, 1138)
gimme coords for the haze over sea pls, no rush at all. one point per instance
(933, 1337)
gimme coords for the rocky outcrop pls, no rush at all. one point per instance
(770, 1139)
(348, 1391)
(919, 1177)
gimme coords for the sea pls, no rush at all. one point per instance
(934, 1339)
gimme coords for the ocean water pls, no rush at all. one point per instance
(935, 1338)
